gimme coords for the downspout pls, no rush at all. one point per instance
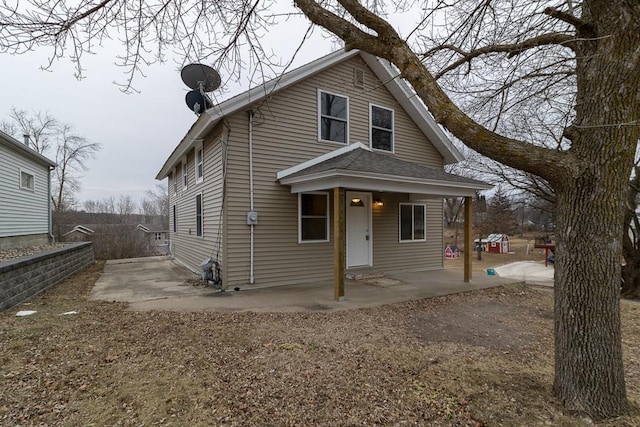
(252, 215)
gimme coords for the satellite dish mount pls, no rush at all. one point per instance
(201, 79)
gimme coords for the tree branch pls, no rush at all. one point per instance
(581, 26)
(511, 49)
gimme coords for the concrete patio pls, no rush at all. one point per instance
(157, 283)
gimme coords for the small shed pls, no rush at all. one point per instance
(497, 243)
(451, 252)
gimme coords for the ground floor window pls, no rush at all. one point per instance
(175, 219)
(313, 217)
(199, 215)
(413, 222)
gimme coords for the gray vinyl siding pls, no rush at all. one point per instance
(188, 248)
(285, 134)
(22, 211)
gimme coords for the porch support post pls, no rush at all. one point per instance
(339, 243)
(467, 238)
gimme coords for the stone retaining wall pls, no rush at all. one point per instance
(24, 277)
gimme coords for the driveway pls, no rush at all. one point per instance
(157, 283)
(531, 272)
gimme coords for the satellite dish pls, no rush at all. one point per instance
(197, 101)
(200, 77)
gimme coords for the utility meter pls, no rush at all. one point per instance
(252, 218)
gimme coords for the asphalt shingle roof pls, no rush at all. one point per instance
(360, 160)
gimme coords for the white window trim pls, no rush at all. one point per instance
(320, 92)
(199, 179)
(393, 128)
(185, 174)
(424, 205)
(323, 193)
(33, 176)
(201, 236)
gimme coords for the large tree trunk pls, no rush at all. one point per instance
(589, 375)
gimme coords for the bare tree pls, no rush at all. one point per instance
(155, 205)
(72, 153)
(38, 127)
(574, 64)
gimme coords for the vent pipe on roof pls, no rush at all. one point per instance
(25, 138)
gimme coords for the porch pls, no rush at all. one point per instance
(157, 283)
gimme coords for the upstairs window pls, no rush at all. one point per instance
(185, 181)
(381, 128)
(174, 180)
(199, 163)
(413, 222)
(313, 221)
(333, 118)
(27, 180)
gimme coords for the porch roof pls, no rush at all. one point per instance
(357, 167)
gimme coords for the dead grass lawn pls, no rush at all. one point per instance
(477, 359)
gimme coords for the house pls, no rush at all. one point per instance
(79, 233)
(331, 167)
(157, 238)
(494, 243)
(451, 252)
(25, 188)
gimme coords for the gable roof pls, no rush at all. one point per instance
(11, 142)
(398, 88)
(357, 166)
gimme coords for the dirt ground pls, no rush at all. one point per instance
(482, 358)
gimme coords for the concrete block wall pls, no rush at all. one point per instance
(9, 242)
(22, 278)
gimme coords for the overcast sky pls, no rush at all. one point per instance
(137, 131)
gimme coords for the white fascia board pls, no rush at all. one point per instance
(378, 182)
(330, 155)
(416, 110)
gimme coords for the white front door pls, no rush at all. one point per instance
(359, 235)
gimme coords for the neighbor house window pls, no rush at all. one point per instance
(175, 219)
(158, 236)
(313, 221)
(333, 117)
(185, 181)
(199, 163)
(27, 180)
(413, 222)
(381, 128)
(199, 215)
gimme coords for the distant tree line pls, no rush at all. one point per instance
(121, 227)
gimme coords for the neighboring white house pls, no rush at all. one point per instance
(25, 188)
